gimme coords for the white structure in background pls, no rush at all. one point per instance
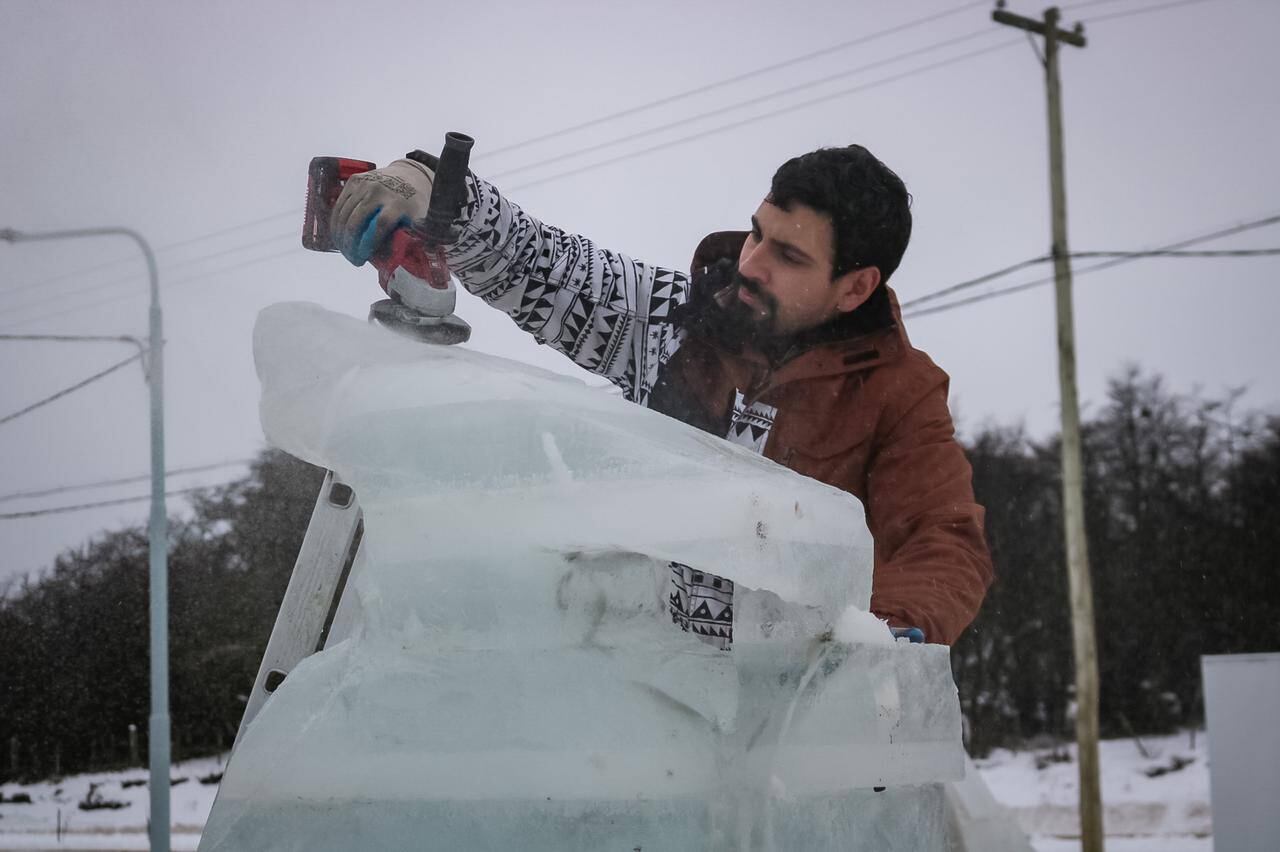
(1241, 694)
(503, 673)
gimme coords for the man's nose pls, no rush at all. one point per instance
(752, 263)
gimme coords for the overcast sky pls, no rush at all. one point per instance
(194, 123)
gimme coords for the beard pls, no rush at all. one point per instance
(716, 310)
(737, 322)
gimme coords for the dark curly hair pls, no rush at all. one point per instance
(869, 205)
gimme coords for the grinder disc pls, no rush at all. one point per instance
(402, 320)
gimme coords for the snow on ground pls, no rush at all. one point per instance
(1130, 844)
(1143, 796)
(1168, 812)
(55, 809)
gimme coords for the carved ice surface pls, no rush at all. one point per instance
(503, 673)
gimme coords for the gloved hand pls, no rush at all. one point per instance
(913, 635)
(373, 204)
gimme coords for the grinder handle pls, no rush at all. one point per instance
(448, 189)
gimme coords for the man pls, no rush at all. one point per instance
(785, 339)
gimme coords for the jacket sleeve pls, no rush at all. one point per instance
(605, 311)
(933, 566)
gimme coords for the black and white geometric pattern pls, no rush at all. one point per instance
(750, 424)
(702, 604)
(607, 312)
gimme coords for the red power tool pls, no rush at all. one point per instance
(412, 268)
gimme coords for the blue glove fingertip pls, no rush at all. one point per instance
(364, 245)
(914, 635)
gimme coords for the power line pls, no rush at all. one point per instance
(132, 278)
(77, 338)
(789, 90)
(58, 510)
(1045, 258)
(612, 117)
(1144, 10)
(168, 286)
(738, 78)
(1071, 7)
(1267, 252)
(15, 415)
(573, 128)
(771, 114)
(973, 282)
(1118, 258)
(166, 247)
(599, 164)
(126, 480)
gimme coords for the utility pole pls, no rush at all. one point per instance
(158, 744)
(1084, 641)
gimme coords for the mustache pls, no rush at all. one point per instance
(727, 297)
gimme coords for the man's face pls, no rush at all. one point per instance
(785, 284)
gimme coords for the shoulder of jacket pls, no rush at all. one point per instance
(900, 385)
(913, 373)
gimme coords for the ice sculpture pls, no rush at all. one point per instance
(504, 673)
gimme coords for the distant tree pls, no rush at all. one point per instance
(1013, 664)
(1246, 570)
(1183, 523)
(244, 539)
(75, 666)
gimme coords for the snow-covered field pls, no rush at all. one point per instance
(1146, 810)
(54, 819)
(1149, 806)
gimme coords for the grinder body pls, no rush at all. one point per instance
(412, 268)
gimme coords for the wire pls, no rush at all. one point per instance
(537, 164)
(15, 415)
(738, 78)
(129, 279)
(168, 286)
(571, 129)
(599, 164)
(1045, 258)
(77, 338)
(105, 483)
(771, 114)
(1035, 48)
(973, 282)
(1071, 7)
(1144, 10)
(564, 156)
(1119, 258)
(789, 90)
(166, 247)
(1267, 252)
(58, 510)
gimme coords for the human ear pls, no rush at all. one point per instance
(855, 287)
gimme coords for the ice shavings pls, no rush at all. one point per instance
(858, 625)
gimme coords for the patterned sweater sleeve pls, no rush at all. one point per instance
(605, 311)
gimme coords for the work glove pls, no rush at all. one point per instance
(914, 635)
(375, 203)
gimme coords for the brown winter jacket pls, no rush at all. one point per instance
(866, 413)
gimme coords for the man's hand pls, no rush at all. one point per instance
(914, 635)
(373, 204)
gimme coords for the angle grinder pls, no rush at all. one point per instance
(412, 268)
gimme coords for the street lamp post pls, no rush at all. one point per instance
(158, 746)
